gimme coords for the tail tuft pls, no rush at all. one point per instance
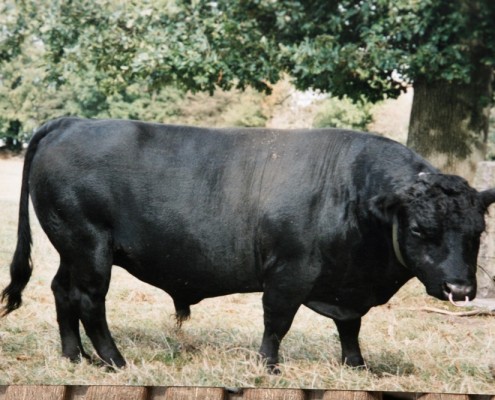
(12, 295)
(20, 272)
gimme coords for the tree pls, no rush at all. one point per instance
(31, 92)
(79, 80)
(376, 48)
(363, 49)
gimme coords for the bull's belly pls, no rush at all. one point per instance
(190, 280)
(343, 300)
(337, 312)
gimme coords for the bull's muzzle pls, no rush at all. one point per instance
(458, 292)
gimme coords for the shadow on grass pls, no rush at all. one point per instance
(178, 346)
(390, 364)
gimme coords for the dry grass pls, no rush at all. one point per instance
(405, 350)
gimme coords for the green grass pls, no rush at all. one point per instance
(406, 350)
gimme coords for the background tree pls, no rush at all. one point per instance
(53, 62)
(376, 48)
(363, 49)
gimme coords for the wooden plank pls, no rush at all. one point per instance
(187, 393)
(273, 394)
(29, 392)
(116, 393)
(444, 396)
(350, 395)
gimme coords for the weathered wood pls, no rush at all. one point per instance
(35, 393)
(116, 393)
(41, 392)
(351, 395)
(273, 394)
(188, 393)
(444, 396)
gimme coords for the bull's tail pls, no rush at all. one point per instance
(21, 266)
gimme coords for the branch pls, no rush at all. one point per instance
(453, 313)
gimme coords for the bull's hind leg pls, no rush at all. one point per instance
(90, 281)
(67, 315)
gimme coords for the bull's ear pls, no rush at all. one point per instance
(488, 197)
(384, 207)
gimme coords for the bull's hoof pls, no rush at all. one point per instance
(271, 363)
(77, 357)
(354, 362)
(273, 369)
(117, 363)
(108, 367)
(113, 368)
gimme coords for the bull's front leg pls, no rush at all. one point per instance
(282, 297)
(349, 332)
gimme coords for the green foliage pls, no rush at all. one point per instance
(356, 48)
(12, 31)
(155, 42)
(343, 113)
(203, 45)
(119, 58)
(116, 61)
(20, 89)
(374, 48)
(225, 108)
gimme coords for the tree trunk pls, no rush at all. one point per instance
(449, 122)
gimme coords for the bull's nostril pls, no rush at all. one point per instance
(459, 291)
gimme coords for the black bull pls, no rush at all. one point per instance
(335, 220)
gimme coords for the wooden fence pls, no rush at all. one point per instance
(199, 393)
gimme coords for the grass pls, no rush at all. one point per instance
(406, 350)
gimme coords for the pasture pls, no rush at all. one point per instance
(405, 347)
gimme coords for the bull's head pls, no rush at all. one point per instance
(436, 227)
